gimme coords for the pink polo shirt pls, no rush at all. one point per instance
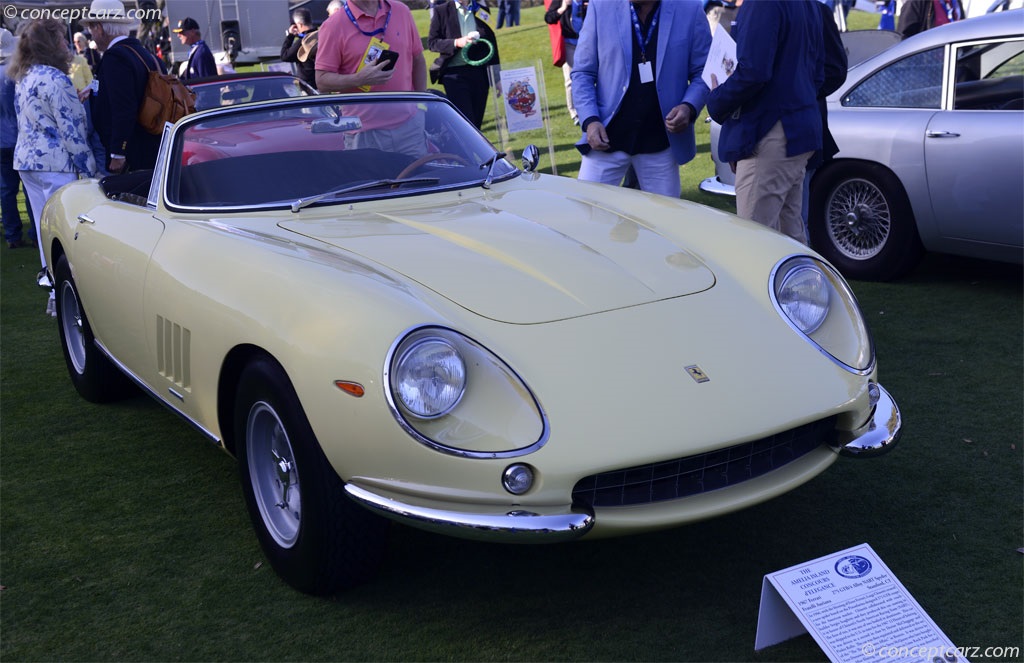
(341, 44)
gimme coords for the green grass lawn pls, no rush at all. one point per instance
(124, 537)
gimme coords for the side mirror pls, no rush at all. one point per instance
(531, 157)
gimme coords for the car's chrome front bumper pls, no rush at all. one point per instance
(880, 432)
(876, 436)
(512, 526)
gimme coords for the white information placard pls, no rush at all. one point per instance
(522, 102)
(854, 608)
(721, 60)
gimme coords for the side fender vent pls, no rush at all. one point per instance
(173, 352)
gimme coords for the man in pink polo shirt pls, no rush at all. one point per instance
(351, 36)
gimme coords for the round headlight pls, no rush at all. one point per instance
(429, 378)
(803, 296)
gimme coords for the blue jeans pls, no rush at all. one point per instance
(512, 9)
(9, 183)
(502, 10)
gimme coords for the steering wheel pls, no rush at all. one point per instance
(427, 158)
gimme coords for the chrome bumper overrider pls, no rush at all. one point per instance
(517, 526)
(879, 434)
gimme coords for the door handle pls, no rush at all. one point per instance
(942, 134)
(82, 218)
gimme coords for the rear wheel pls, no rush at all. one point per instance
(861, 221)
(315, 537)
(95, 377)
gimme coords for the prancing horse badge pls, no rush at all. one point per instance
(697, 374)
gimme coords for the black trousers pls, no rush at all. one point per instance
(467, 87)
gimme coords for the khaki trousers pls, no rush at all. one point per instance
(769, 186)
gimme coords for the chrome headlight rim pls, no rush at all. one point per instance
(397, 411)
(841, 288)
(405, 353)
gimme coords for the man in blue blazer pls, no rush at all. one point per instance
(768, 109)
(121, 85)
(636, 83)
(200, 62)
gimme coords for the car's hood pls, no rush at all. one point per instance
(523, 256)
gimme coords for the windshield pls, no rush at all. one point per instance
(291, 153)
(232, 91)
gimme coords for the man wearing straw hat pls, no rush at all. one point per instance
(121, 78)
(300, 44)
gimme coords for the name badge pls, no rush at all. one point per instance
(646, 75)
(484, 15)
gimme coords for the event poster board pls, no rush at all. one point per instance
(521, 108)
(853, 606)
(519, 92)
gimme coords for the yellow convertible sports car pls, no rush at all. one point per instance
(383, 318)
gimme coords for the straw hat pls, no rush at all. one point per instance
(307, 45)
(7, 43)
(108, 11)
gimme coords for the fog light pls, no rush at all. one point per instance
(517, 479)
(873, 394)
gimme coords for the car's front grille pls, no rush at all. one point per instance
(692, 475)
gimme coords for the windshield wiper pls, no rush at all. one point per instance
(372, 184)
(489, 165)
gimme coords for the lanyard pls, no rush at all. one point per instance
(378, 31)
(641, 39)
(951, 11)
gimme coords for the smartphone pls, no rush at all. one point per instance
(390, 58)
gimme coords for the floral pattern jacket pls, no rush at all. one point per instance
(51, 124)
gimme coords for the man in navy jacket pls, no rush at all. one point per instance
(121, 80)
(200, 61)
(768, 109)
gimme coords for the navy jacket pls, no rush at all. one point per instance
(200, 62)
(122, 81)
(780, 69)
(836, 66)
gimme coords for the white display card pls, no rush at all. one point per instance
(854, 608)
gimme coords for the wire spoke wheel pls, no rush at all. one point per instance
(859, 220)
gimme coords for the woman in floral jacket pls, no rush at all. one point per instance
(52, 148)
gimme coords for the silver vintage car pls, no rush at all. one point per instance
(931, 140)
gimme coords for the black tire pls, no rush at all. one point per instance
(861, 221)
(315, 537)
(95, 377)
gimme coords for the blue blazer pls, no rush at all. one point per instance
(604, 58)
(200, 62)
(122, 79)
(780, 53)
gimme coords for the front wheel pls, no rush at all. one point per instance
(861, 221)
(315, 537)
(95, 377)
